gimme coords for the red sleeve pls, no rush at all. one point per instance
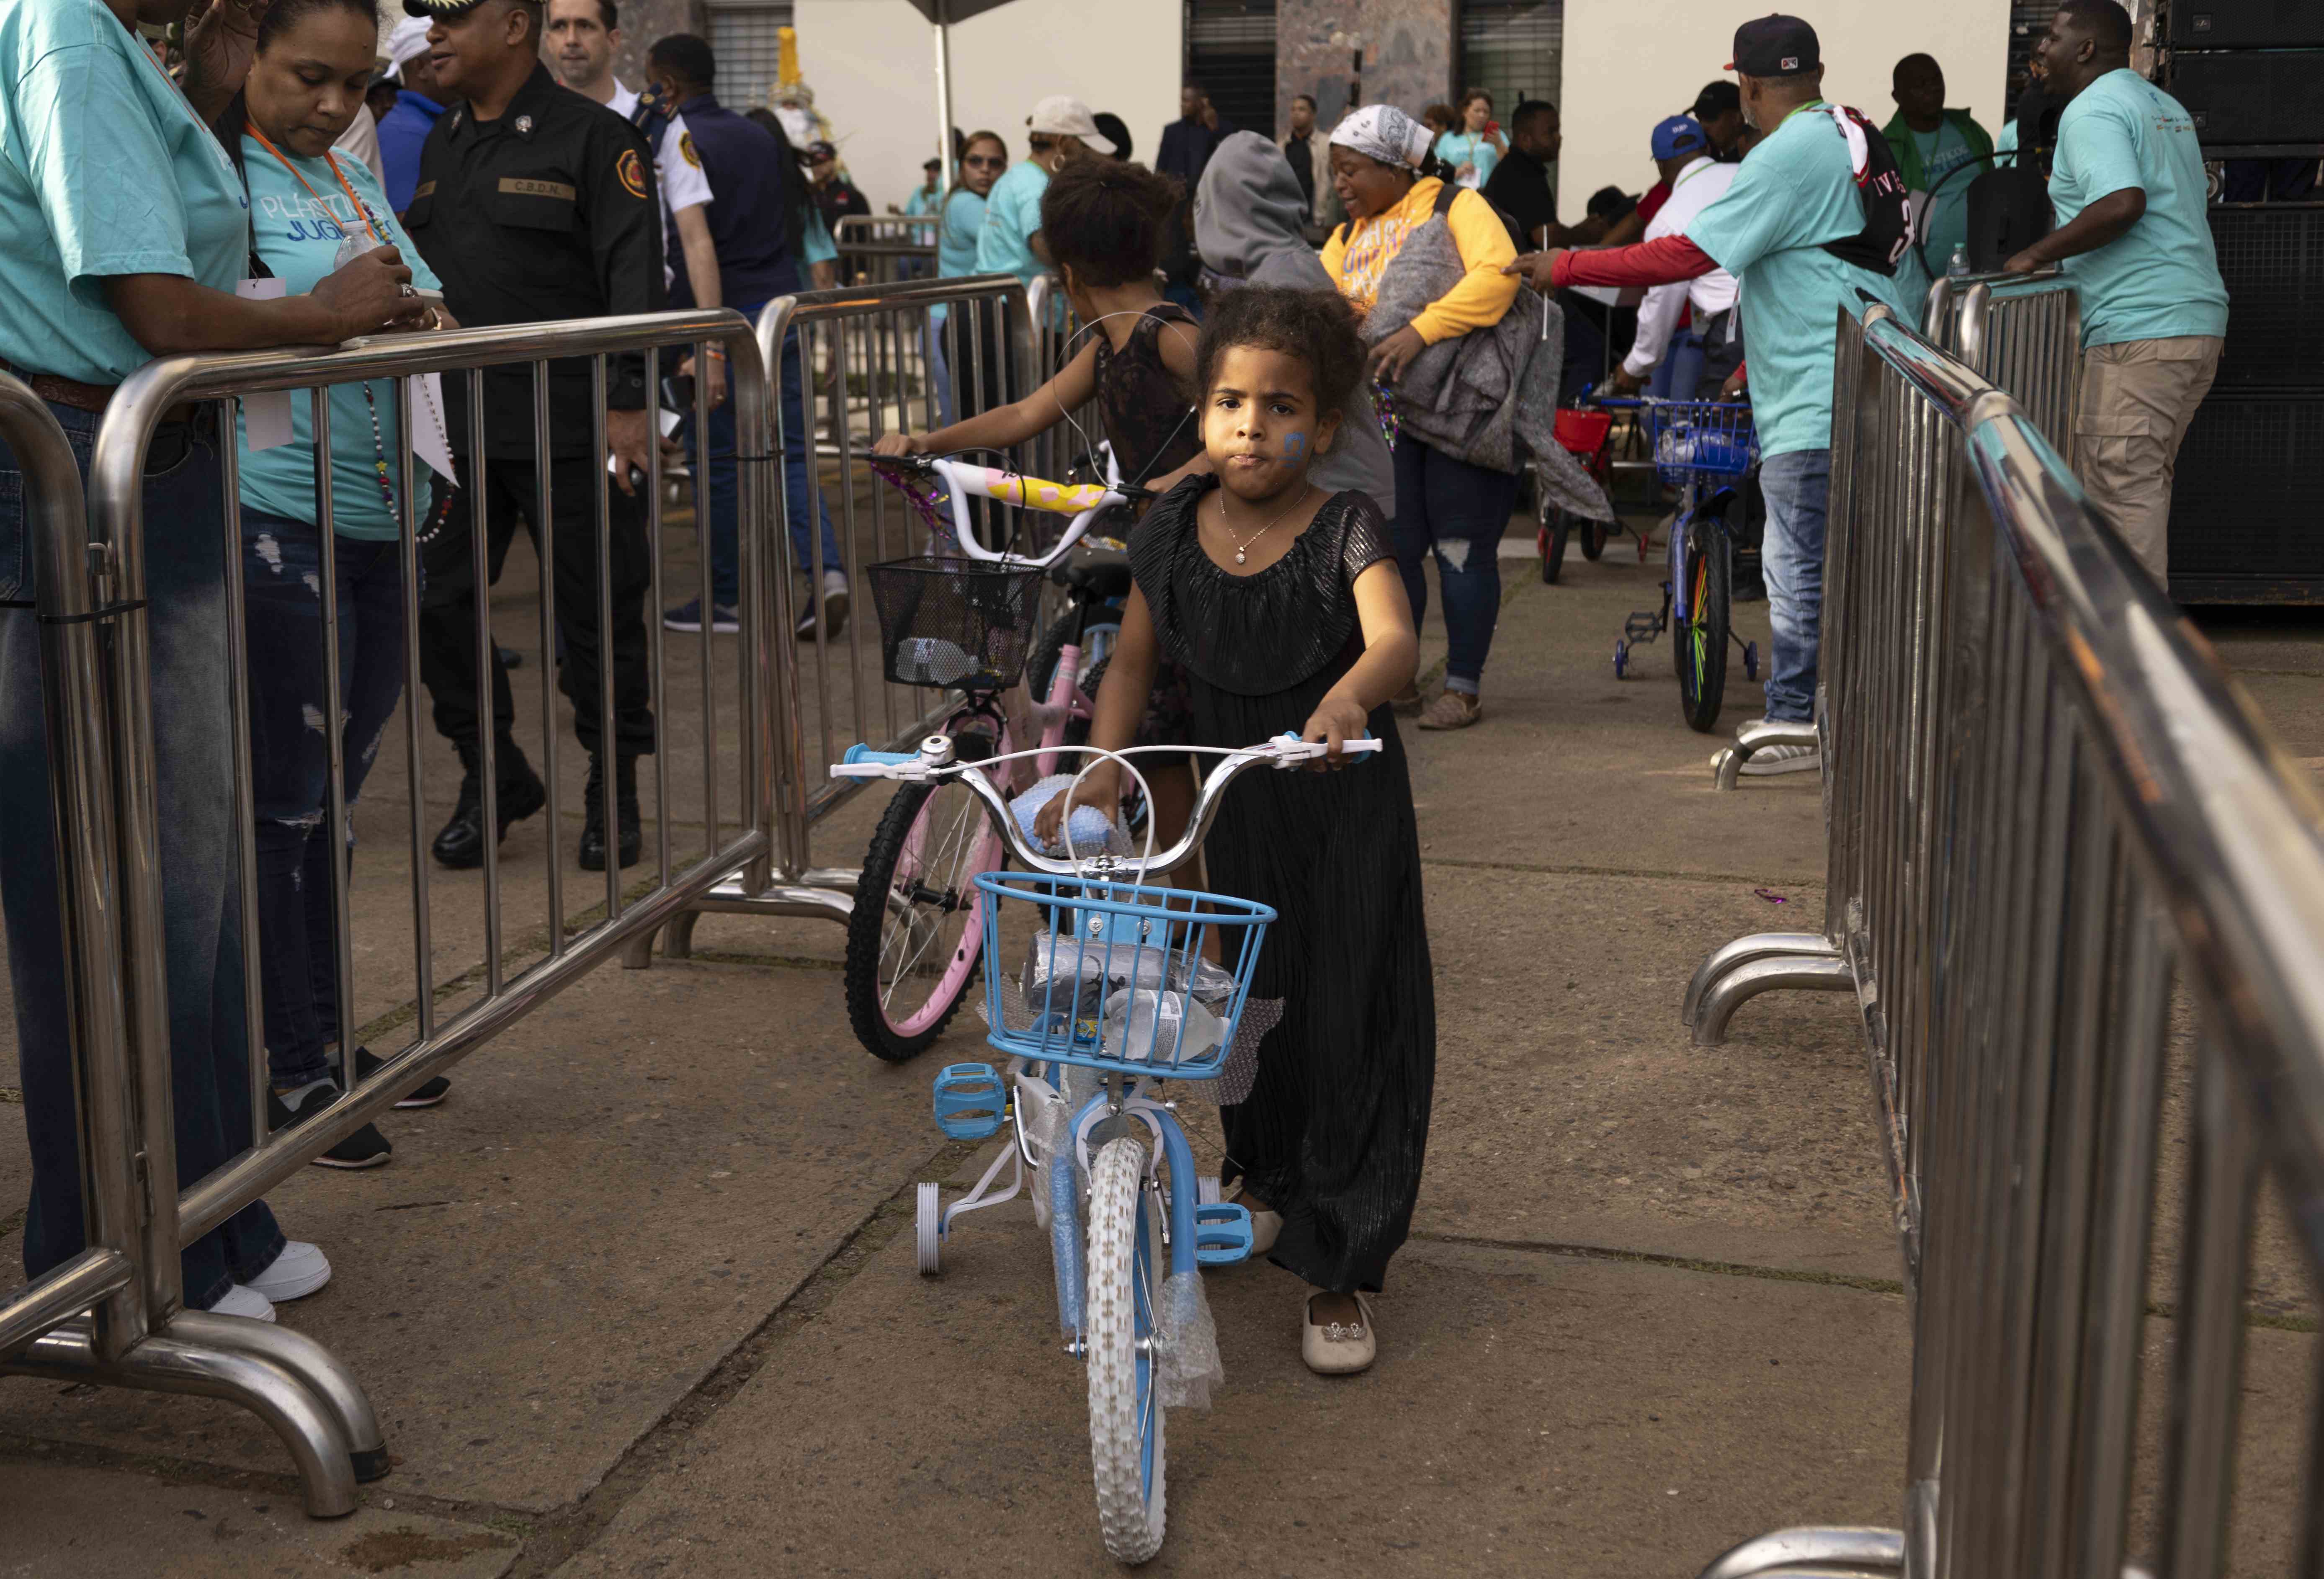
(1656, 196)
(1651, 263)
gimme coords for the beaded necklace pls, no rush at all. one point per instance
(371, 402)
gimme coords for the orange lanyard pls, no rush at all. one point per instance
(361, 212)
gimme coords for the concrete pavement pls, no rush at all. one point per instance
(640, 1298)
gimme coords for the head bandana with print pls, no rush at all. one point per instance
(1385, 132)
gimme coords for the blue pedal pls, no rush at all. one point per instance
(1223, 1234)
(971, 1102)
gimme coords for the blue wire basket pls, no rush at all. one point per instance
(1700, 438)
(1114, 975)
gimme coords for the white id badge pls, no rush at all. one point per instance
(265, 417)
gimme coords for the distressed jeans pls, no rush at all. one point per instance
(1796, 486)
(290, 760)
(201, 900)
(1457, 512)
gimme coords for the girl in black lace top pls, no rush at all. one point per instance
(1285, 607)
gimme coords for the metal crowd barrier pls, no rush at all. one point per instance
(2022, 332)
(99, 705)
(914, 369)
(881, 249)
(2045, 797)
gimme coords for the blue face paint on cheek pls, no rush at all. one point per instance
(1294, 444)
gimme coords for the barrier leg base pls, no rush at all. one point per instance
(1748, 966)
(1829, 1552)
(1754, 737)
(304, 1396)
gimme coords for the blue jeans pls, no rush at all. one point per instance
(726, 505)
(1457, 512)
(290, 765)
(1796, 485)
(201, 900)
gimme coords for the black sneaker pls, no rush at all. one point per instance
(725, 619)
(366, 1147)
(428, 1093)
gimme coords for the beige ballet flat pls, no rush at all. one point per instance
(1338, 1348)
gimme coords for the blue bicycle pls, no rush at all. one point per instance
(1703, 448)
(1121, 986)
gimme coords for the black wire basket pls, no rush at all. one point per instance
(955, 623)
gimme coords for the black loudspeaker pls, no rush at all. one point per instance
(2252, 98)
(2243, 505)
(2247, 24)
(2271, 257)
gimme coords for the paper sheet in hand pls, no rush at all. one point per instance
(265, 417)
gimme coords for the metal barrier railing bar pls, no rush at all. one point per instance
(916, 369)
(881, 249)
(2045, 796)
(99, 701)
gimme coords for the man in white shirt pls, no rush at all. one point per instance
(1684, 158)
(581, 35)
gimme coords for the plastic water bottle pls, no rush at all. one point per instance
(1960, 268)
(930, 661)
(1166, 1027)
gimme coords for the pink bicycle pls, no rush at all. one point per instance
(963, 620)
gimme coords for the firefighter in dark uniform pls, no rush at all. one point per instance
(535, 203)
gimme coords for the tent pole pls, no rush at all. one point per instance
(944, 90)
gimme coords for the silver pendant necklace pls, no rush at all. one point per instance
(1239, 548)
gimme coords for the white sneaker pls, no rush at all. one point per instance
(297, 1272)
(1770, 760)
(243, 1300)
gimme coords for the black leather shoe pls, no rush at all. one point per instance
(626, 808)
(461, 844)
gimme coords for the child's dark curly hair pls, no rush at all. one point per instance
(1317, 326)
(1105, 219)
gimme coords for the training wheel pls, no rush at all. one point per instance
(1621, 659)
(930, 1226)
(1750, 660)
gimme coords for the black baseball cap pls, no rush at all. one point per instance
(1716, 99)
(1776, 46)
(432, 10)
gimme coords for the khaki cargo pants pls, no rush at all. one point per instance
(2138, 398)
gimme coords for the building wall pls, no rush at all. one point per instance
(1407, 54)
(872, 66)
(644, 21)
(1614, 48)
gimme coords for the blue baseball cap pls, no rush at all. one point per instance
(1677, 136)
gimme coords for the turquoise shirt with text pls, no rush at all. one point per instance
(1796, 191)
(297, 233)
(2160, 279)
(105, 170)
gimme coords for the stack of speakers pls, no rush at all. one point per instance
(2248, 511)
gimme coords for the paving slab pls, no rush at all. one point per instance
(75, 1523)
(1530, 1414)
(619, 1190)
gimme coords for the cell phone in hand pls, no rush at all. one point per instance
(677, 393)
(1492, 128)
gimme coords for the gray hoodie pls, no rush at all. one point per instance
(1247, 228)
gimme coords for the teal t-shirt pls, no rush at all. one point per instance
(1459, 148)
(921, 201)
(815, 246)
(297, 232)
(105, 170)
(1012, 214)
(958, 236)
(1946, 223)
(2005, 144)
(1796, 191)
(2160, 279)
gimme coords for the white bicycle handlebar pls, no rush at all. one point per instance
(934, 762)
(1083, 501)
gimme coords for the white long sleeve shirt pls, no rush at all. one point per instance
(1693, 190)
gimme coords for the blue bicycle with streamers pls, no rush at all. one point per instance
(1120, 986)
(1703, 448)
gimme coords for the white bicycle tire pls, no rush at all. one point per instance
(928, 1228)
(1130, 1517)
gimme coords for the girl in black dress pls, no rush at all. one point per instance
(1284, 605)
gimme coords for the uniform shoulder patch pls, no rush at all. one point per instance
(632, 172)
(685, 146)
